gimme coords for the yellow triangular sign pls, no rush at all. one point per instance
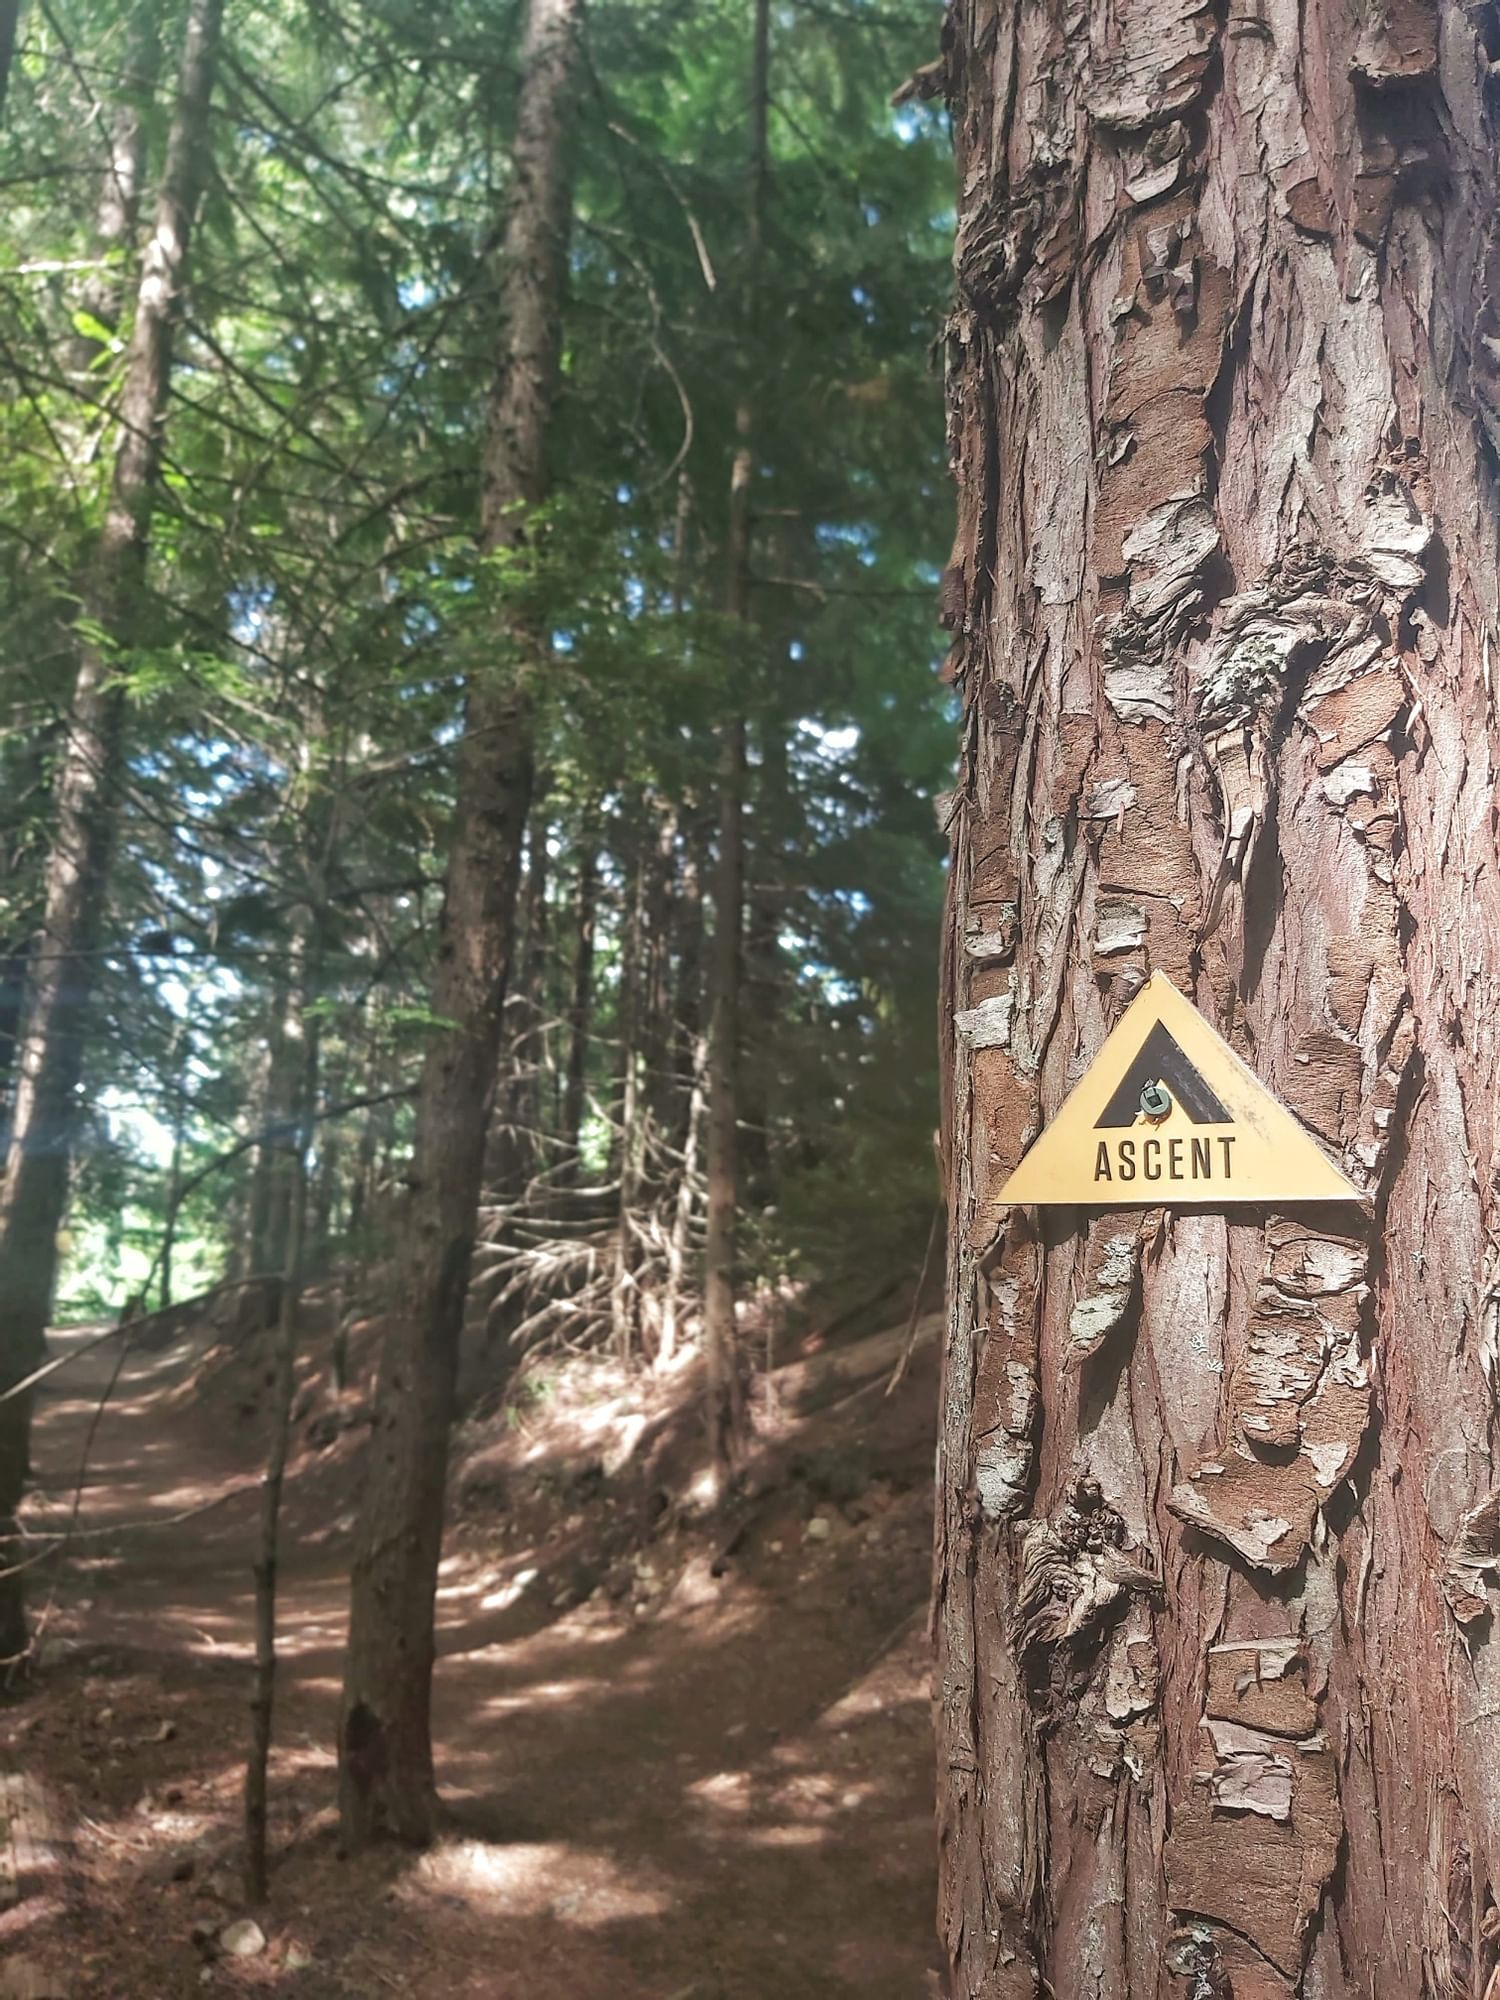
(1167, 1114)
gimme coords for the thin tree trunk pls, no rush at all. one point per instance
(1218, 1518)
(689, 998)
(516, 1137)
(367, 1151)
(723, 1399)
(690, 1073)
(385, 1738)
(24, 776)
(271, 1195)
(765, 916)
(78, 866)
(300, 1034)
(680, 1241)
(262, 1191)
(773, 841)
(657, 1166)
(581, 1005)
(15, 969)
(180, 1047)
(328, 1181)
(624, 1309)
(102, 296)
(10, 17)
(26, 791)
(720, 1343)
(657, 1037)
(532, 1052)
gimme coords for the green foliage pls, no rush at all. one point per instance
(315, 601)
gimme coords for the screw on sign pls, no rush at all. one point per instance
(1156, 1102)
(1168, 1114)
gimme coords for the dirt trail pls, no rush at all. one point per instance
(685, 1787)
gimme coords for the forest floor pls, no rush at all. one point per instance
(680, 1759)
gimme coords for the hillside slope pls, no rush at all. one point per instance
(682, 1759)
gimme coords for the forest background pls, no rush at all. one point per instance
(291, 671)
(473, 745)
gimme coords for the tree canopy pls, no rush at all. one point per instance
(315, 599)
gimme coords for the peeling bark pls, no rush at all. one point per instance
(1218, 1530)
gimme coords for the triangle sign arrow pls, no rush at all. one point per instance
(1167, 1115)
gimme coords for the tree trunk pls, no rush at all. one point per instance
(689, 1075)
(367, 1148)
(101, 297)
(301, 1035)
(723, 1402)
(765, 916)
(581, 1006)
(1218, 1515)
(26, 790)
(680, 1239)
(775, 836)
(516, 1134)
(327, 1185)
(688, 998)
(271, 1188)
(385, 1738)
(179, 1059)
(84, 802)
(625, 1315)
(10, 17)
(720, 1343)
(103, 293)
(531, 1053)
(261, 1194)
(657, 1037)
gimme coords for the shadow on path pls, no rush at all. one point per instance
(721, 1792)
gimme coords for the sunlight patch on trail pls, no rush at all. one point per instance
(537, 1879)
(785, 1836)
(549, 1694)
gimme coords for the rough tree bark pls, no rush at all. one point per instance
(84, 798)
(385, 1739)
(1218, 1515)
(721, 1361)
